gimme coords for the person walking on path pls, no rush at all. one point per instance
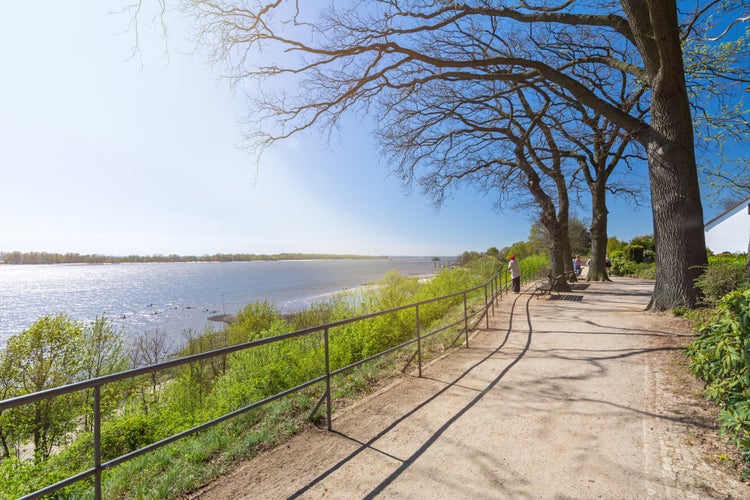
(515, 273)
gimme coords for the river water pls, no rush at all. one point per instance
(172, 297)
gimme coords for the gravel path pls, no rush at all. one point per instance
(579, 396)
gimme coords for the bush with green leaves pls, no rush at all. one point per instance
(722, 275)
(634, 253)
(253, 319)
(621, 266)
(46, 355)
(720, 356)
(534, 264)
(646, 270)
(636, 258)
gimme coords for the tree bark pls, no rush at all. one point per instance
(673, 174)
(548, 219)
(597, 269)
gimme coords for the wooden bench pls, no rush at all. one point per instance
(571, 276)
(551, 284)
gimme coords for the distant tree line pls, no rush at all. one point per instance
(75, 258)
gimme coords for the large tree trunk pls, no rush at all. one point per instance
(678, 227)
(675, 195)
(548, 217)
(597, 269)
(563, 221)
(563, 225)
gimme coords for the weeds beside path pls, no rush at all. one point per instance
(575, 397)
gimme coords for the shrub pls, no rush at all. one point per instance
(129, 433)
(254, 319)
(634, 253)
(617, 254)
(720, 356)
(646, 270)
(622, 266)
(721, 276)
(649, 256)
(533, 262)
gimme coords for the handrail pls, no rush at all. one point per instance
(495, 291)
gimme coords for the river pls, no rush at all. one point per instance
(173, 297)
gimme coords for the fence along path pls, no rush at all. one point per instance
(555, 398)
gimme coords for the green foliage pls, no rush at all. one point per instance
(18, 477)
(645, 241)
(485, 266)
(646, 270)
(252, 321)
(539, 262)
(720, 356)
(103, 353)
(320, 313)
(50, 353)
(634, 253)
(633, 259)
(467, 256)
(615, 245)
(621, 266)
(722, 275)
(393, 290)
(493, 252)
(129, 433)
(540, 242)
(649, 256)
(580, 237)
(521, 249)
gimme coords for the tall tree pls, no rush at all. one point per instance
(370, 55)
(102, 352)
(493, 137)
(48, 354)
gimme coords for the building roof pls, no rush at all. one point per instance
(725, 213)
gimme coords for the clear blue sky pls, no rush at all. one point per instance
(104, 154)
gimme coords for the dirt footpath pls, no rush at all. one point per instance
(581, 396)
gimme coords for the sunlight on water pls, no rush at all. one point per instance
(173, 297)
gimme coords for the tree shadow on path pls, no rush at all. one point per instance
(405, 464)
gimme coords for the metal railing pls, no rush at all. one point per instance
(493, 289)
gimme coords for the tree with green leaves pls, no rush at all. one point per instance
(48, 354)
(103, 352)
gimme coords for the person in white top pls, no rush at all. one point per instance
(515, 273)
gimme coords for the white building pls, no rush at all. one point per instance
(730, 231)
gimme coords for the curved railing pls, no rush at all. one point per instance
(493, 289)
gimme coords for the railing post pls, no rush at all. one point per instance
(97, 443)
(328, 378)
(419, 342)
(466, 321)
(486, 309)
(493, 294)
